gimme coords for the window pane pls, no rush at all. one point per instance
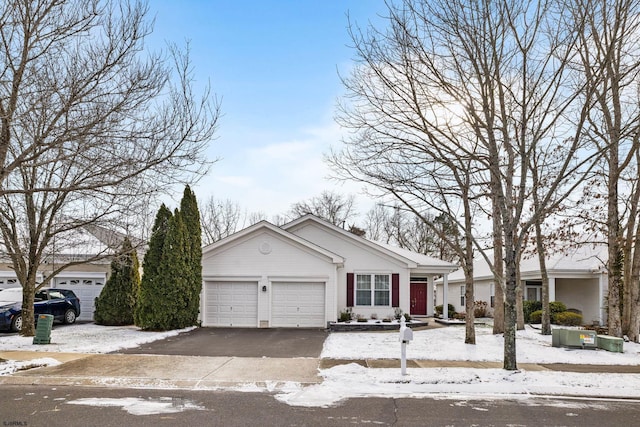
(363, 282)
(363, 297)
(382, 282)
(382, 298)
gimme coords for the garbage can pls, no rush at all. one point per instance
(43, 329)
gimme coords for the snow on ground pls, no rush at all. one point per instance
(352, 380)
(86, 338)
(448, 344)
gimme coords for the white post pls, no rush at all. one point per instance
(406, 335)
(430, 308)
(403, 358)
(445, 297)
(552, 288)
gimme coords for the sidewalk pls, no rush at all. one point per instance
(197, 372)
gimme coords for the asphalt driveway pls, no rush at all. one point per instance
(239, 342)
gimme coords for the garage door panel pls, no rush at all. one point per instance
(231, 304)
(86, 289)
(298, 305)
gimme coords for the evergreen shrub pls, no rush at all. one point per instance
(567, 318)
(535, 317)
(116, 303)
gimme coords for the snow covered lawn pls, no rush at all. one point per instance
(86, 338)
(448, 344)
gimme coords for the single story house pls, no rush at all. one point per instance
(577, 278)
(304, 273)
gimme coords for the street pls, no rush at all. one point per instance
(85, 406)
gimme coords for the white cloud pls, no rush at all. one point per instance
(279, 171)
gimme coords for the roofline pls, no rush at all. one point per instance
(335, 258)
(527, 275)
(410, 263)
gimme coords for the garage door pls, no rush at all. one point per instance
(298, 305)
(231, 304)
(87, 289)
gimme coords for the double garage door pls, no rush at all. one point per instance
(291, 304)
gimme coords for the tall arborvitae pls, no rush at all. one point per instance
(116, 303)
(174, 275)
(191, 217)
(152, 307)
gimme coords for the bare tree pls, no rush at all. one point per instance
(610, 59)
(330, 206)
(91, 126)
(461, 95)
(221, 218)
(397, 225)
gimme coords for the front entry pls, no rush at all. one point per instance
(418, 299)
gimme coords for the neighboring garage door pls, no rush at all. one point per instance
(298, 305)
(231, 304)
(87, 289)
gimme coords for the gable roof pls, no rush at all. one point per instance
(412, 259)
(265, 225)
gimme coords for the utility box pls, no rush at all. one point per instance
(574, 338)
(613, 344)
(43, 329)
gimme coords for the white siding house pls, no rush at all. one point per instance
(305, 273)
(577, 278)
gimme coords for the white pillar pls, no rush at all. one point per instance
(430, 296)
(552, 288)
(603, 286)
(445, 296)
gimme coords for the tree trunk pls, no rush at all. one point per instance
(546, 318)
(510, 363)
(519, 301)
(498, 265)
(28, 298)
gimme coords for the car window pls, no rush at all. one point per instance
(11, 295)
(41, 296)
(55, 295)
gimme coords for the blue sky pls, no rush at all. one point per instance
(275, 66)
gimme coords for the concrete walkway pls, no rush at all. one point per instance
(194, 372)
(157, 371)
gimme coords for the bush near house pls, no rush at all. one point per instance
(451, 310)
(117, 300)
(559, 315)
(535, 317)
(529, 307)
(480, 309)
(556, 307)
(568, 318)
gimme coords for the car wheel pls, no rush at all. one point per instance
(16, 323)
(69, 317)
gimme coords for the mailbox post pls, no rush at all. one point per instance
(406, 335)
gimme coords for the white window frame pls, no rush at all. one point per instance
(462, 292)
(373, 289)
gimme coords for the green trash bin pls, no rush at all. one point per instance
(43, 329)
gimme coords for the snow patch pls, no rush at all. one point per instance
(140, 406)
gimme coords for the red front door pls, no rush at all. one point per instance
(418, 299)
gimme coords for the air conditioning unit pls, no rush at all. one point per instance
(574, 338)
(608, 343)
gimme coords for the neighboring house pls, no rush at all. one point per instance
(86, 280)
(577, 278)
(306, 272)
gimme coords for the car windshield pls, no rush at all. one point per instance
(11, 295)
